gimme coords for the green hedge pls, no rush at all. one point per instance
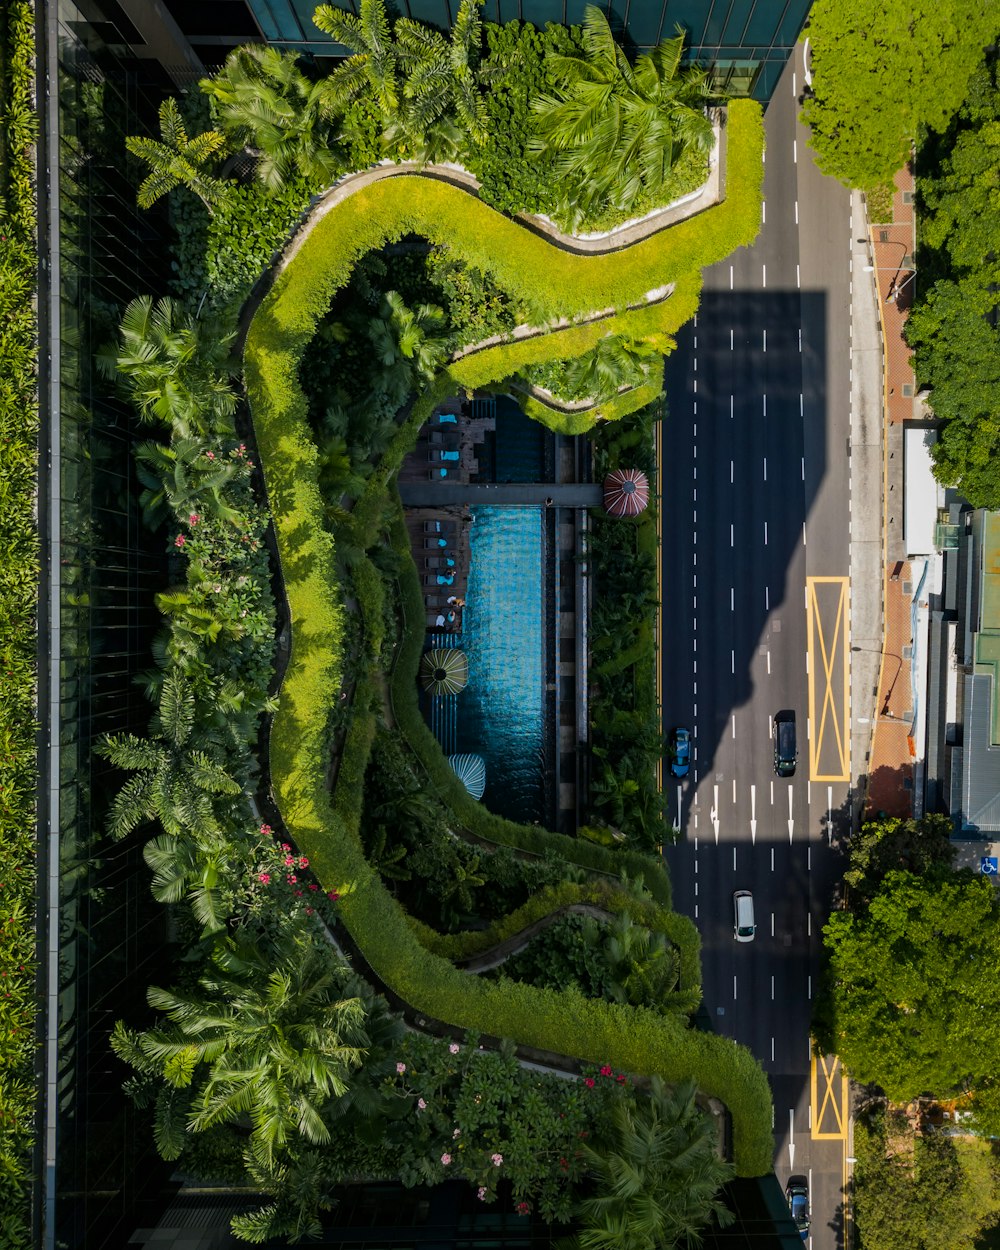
(18, 618)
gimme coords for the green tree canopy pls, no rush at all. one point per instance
(956, 344)
(881, 70)
(266, 102)
(921, 1192)
(915, 982)
(265, 1040)
(882, 846)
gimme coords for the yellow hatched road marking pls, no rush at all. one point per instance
(831, 728)
(828, 1089)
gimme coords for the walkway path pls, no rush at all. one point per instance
(508, 494)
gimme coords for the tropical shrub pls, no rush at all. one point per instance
(218, 258)
(517, 67)
(18, 616)
(626, 736)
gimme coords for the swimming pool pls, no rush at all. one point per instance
(499, 715)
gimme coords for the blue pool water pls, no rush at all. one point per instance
(499, 714)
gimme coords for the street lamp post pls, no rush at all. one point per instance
(894, 290)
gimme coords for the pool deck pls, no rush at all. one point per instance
(500, 494)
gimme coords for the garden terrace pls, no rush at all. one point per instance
(326, 828)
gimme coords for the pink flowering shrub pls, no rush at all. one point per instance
(494, 1121)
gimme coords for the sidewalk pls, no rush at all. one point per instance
(891, 772)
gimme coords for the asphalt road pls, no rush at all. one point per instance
(755, 478)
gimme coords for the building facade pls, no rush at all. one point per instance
(745, 42)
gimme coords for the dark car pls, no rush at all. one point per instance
(680, 751)
(797, 1193)
(785, 749)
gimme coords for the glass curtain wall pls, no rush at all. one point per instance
(105, 569)
(746, 42)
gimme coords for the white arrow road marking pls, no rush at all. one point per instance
(829, 815)
(791, 1137)
(714, 814)
(791, 823)
(680, 825)
(753, 814)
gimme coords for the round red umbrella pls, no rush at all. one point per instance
(626, 492)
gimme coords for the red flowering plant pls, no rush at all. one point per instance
(278, 885)
(507, 1130)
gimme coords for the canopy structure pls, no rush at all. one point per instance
(445, 670)
(471, 771)
(626, 492)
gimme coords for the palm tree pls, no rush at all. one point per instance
(267, 103)
(173, 782)
(441, 81)
(174, 160)
(657, 1173)
(373, 68)
(172, 370)
(414, 336)
(644, 965)
(613, 363)
(267, 1039)
(180, 479)
(617, 130)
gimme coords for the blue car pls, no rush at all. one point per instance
(680, 752)
(797, 1193)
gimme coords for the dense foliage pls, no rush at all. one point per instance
(912, 983)
(268, 1062)
(884, 72)
(18, 616)
(953, 325)
(626, 736)
(921, 1192)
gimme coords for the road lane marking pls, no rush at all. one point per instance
(827, 633)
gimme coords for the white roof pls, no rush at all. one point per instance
(922, 495)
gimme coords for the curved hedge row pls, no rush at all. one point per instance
(327, 829)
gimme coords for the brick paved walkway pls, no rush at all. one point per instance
(890, 782)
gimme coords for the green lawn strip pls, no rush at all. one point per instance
(582, 420)
(18, 619)
(525, 264)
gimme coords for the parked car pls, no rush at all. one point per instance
(797, 1193)
(680, 752)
